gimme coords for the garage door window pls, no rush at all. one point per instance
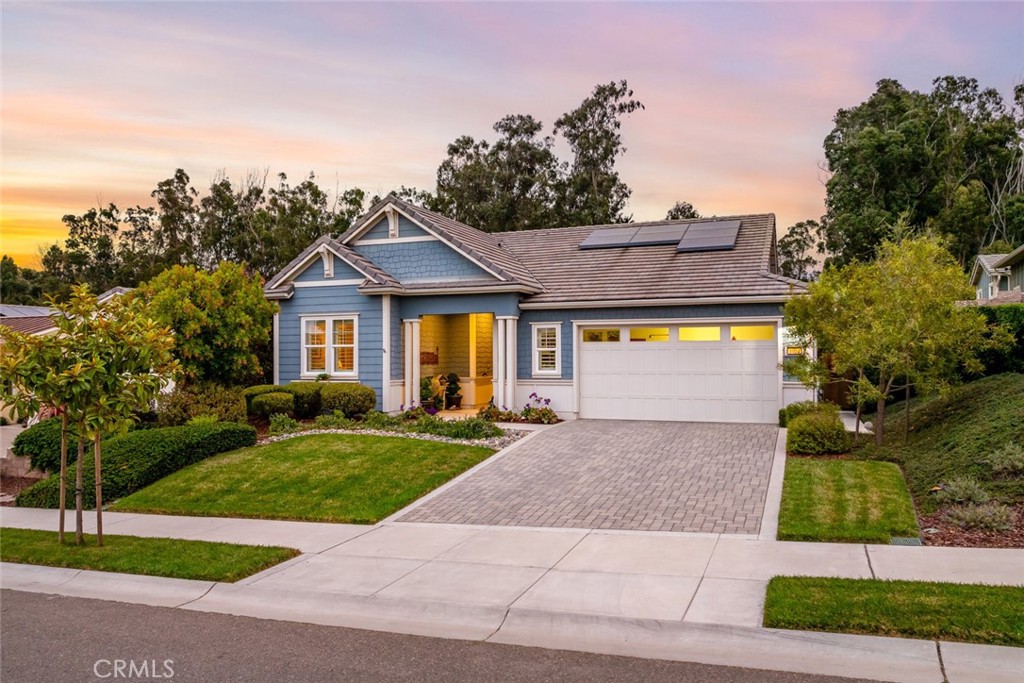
(547, 351)
(752, 332)
(700, 334)
(648, 334)
(595, 335)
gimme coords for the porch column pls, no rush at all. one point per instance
(499, 363)
(505, 361)
(510, 362)
(410, 393)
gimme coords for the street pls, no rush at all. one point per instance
(49, 638)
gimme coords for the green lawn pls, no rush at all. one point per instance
(358, 479)
(136, 555)
(911, 609)
(844, 500)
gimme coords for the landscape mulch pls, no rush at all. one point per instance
(952, 535)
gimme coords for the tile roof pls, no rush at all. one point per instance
(28, 324)
(989, 261)
(374, 273)
(654, 272)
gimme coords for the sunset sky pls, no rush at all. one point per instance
(102, 101)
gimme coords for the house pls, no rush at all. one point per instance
(669, 320)
(998, 278)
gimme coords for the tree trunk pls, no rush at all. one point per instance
(63, 475)
(906, 417)
(879, 420)
(856, 428)
(97, 469)
(78, 492)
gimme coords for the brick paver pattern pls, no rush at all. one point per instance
(606, 474)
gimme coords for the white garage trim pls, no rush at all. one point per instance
(774, 321)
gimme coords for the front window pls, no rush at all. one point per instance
(329, 346)
(547, 350)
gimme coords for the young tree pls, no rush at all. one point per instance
(895, 319)
(221, 320)
(795, 250)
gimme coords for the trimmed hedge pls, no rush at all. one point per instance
(41, 443)
(351, 399)
(252, 392)
(803, 407)
(274, 403)
(817, 433)
(307, 398)
(137, 459)
(207, 399)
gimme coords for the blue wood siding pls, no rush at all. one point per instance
(406, 228)
(524, 353)
(332, 301)
(499, 304)
(314, 271)
(1016, 278)
(423, 261)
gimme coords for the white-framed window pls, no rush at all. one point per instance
(547, 349)
(330, 345)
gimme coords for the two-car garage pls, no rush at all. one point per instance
(700, 372)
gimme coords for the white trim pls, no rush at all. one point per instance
(329, 345)
(385, 309)
(370, 222)
(277, 348)
(492, 289)
(330, 283)
(395, 240)
(534, 350)
(628, 303)
(282, 279)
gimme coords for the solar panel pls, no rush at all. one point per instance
(709, 236)
(651, 235)
(608, 238)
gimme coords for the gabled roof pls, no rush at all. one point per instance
(1011, 259)
(987, 263)
(650, 273)
(111, 293)
(280, 287)
(479, 246)
(20, 311)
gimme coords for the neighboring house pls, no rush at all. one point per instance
(998, 278)
(670, 320)
(34, 320)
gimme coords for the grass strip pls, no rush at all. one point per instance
(967, 613)
(200, 560)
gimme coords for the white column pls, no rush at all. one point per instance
(407, 395)
(500, 398)
(510, 362)
(277, 348)
(415, 389)
(494, 362)
(385, 387)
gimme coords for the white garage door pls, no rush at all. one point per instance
(695, 373)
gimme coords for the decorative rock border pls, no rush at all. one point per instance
(496, 442)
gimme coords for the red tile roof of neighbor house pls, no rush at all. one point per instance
(28, 324)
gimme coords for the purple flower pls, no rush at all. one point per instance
(533, 395)
(547, 401)
(431, 410)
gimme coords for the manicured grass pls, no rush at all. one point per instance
(358, 479)
(136, 555)
(844, 500)
(911, 609)
(952, 436)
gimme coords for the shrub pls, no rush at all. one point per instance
(252, 392)
(489, 412)
(794, 410)
(265, 405)
(471, 428)
(817, 433)
(307, 398)
(139, 458)
(1008, 461)
(282, 424)
(963, 490)
(351, 399)
(989, 517)
(41, 443)
(203, 420)
(192, 400)
(335, 420)
(382, 421)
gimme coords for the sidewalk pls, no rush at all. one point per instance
(676, 596)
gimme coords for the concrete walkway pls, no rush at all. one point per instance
(665, 595)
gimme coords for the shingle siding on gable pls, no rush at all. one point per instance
(330, 301)
(406, 228)
(314, 272)
(422, 261)
(524, 356)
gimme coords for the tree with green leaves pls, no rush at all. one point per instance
(892, 323)
(19, 285)
(221, 320)
(681, 211)
(796, 250)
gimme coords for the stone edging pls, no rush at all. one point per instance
(509, 437)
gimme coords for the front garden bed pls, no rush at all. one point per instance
(198, 560)
(967, 613)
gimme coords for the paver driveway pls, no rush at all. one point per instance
(605, 474)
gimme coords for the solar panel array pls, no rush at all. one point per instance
(702, 236)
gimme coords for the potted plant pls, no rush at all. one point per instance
(453, 399)
(426, 393)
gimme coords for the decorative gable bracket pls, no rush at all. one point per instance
(392, 213)
(328, 258)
